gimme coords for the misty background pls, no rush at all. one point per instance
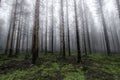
(91, 10)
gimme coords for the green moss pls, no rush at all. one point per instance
(105, 67)
(55, 66)
(79, 75)
(49, 67)
(71, 72)
(112, 69)
(17, 75)
(50, 71)
(5, 59)
(67, 67)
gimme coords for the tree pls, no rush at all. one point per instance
(18, 30)
(8, 35)
(13, 30)
(77, 35)
(46, 27)
(52, 26)
(62, 31)
(84, 27)
(86, 36)
(35, 40)
(1, 28)
(68, 31)
(23, 39)
(42, 36)
(27, 43)
(105, 28)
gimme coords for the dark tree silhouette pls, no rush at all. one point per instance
(77, 35)
(62, 31)
(68, 30)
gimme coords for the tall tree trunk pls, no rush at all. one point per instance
(68, 31)
(8, 35)
(35, 42)
(86, 29)
(84, 38)
(19, 42)
(46, 27)
(42, 37)
(52, 27)
(62, 30)
(13, 32)
(77, 35)
(88, 37)
(23, 40)
(18, 33)
(27, 50)
(105, 29)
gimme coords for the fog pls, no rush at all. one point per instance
(88, 14)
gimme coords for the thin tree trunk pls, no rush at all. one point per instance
(68, 31)
(46, 27)
(23, 40)
(27, 50)
(52, 27)
(77, 35)
(62, 28)
(84, 38)
(42, 37)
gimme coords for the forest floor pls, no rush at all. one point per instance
(52, 67)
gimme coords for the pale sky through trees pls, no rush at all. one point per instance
(109, 6)
(93, 15)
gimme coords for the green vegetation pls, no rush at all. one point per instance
(52, 67)
(102, 67)
(4, 59)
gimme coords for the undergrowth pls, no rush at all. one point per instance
(53, 67)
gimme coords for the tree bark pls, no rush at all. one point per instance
(35, 40)
(52, 28)
(79, 60)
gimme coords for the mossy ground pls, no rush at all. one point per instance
(53, 67)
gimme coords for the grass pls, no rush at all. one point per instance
(102, 67)
(4, 59)
(52, 67)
